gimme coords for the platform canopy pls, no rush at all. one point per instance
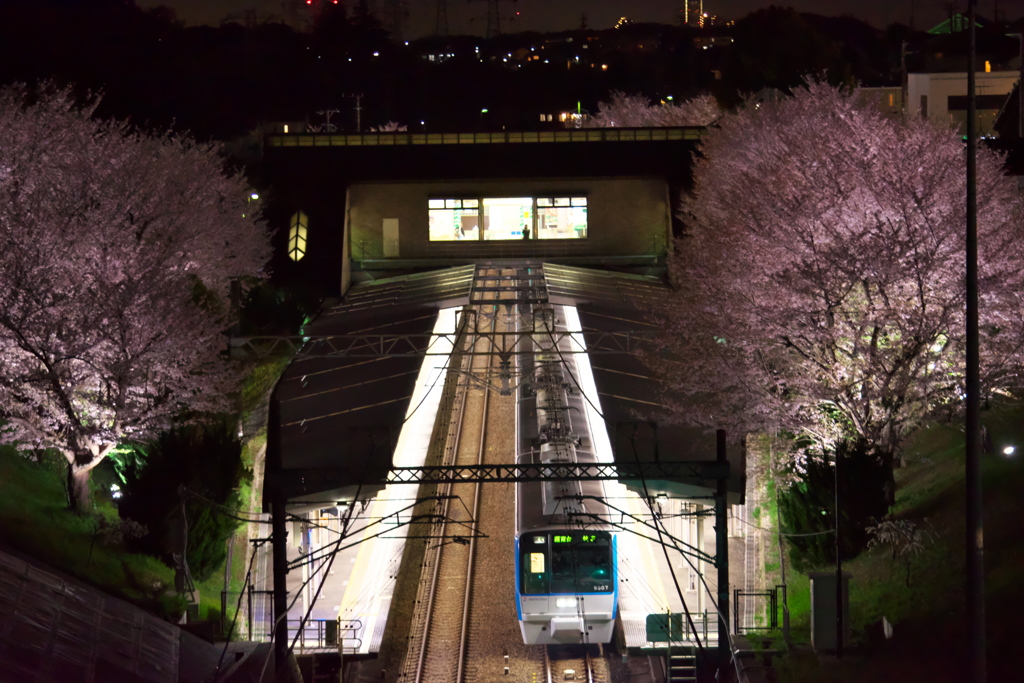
(341, 415)
(336, 418)
(632, 398)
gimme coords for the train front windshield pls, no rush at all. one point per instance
(566, 562)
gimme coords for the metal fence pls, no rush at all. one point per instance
(764, 605)
(255, 618)
(318, 635)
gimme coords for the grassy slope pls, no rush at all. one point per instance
(928, 616)
(34, 518)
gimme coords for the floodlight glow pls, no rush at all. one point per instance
(1009, 450)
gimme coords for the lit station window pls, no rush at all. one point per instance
(454, 219)
(561, 218)
(507, 218)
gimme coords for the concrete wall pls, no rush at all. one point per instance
(625, 216)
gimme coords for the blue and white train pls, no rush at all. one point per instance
(566, 563)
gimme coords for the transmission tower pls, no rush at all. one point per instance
(494, 17)
(441, 28)
(395, 14)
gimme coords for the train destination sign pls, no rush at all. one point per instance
(585, 538)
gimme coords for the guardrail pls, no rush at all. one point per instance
(318, 635)
(502, 137)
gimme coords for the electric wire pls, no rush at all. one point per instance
(309, 608)
(658, 522)
(783, 533)
(440, 373)
(234, 620)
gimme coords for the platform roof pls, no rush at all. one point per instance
(344, 414)
(632, 400)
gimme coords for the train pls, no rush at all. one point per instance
(566, 556)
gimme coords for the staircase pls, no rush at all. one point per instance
(682, 666)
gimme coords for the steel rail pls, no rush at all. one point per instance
(421, 659)
(464, 631)
(449, 487)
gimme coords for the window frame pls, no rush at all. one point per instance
(572, 200)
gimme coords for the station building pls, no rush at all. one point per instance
(353, 208)
(393, 225)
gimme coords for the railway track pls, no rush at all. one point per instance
(440, 654)
(464, 629)
(443, 638)
(575, 663)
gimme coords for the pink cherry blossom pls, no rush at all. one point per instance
(117, 250)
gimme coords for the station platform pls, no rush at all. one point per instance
(357, 586)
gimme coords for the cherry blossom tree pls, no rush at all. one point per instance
(821, 282)
(390, 127)
(636, 111)
(117, 250)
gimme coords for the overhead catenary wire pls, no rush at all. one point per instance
(658, 525)
(440, 373)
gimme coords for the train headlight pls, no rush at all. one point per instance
(565, 602)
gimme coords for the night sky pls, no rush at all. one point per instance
(469, 16)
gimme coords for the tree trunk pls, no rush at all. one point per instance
(889, 487)
(79, 493)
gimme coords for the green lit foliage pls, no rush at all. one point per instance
(808, 505)
(199, 464)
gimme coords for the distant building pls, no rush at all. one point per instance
(936, 78)
(889, 99)
(942, 97)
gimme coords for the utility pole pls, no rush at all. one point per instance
(277, 499)
(974, 540)
(327, 126)
(839, 571)
(722, 556)
(359, 110)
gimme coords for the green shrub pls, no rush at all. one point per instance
(807, 507)
(200, 465)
